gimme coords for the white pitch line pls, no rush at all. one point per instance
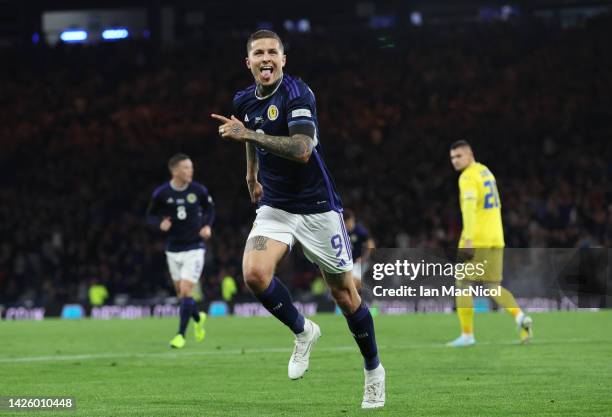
(247, 351)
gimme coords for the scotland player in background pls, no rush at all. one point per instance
(361, 244)
(184, 211)
(286, 176)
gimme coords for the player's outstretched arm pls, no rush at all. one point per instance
(297, 147)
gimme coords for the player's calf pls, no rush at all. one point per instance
(343, 291)
(357, 283)
(277, 300)
(186, 308)
(348, 301)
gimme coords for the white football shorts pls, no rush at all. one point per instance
(322, 235)
(186, 265)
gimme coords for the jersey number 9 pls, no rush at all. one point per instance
(336, 243)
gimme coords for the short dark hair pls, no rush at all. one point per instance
(348, 214)
(460, 144)
(172, 162)
(264, 34)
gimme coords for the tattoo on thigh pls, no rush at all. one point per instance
(256, 243)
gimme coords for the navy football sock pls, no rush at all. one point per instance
(187, 304)
(362, 327)
(277, 300)
(195, 312)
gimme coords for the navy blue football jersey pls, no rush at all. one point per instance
(288, 185)
(189, 209)
(358, 236)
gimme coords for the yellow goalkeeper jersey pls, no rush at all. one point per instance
(480, 208)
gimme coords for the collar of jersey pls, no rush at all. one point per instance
(272, 93)
(176, 188)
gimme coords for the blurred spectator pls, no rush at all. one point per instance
(97, 294)
(318, 286)
(228, 288)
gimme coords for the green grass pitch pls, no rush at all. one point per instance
(124, 368)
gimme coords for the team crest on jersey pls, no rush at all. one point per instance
(272, 112)
(191, 197)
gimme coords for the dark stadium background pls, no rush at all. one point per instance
(86, 130)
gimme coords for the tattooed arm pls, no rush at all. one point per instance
(297, 147)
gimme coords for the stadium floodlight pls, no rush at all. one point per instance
(416, 18)
(303, 25)
(289, 25)
(115, 33)
(74, 35)
(507, 12)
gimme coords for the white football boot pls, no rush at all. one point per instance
(374, 390)
(526, 329)
(298, 363)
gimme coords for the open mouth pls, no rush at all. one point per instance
(266, 72)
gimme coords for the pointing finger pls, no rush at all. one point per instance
(220, 118)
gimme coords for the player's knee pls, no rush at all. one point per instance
(257, 278)
(185, 289)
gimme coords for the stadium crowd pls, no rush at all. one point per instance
(85, 133)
